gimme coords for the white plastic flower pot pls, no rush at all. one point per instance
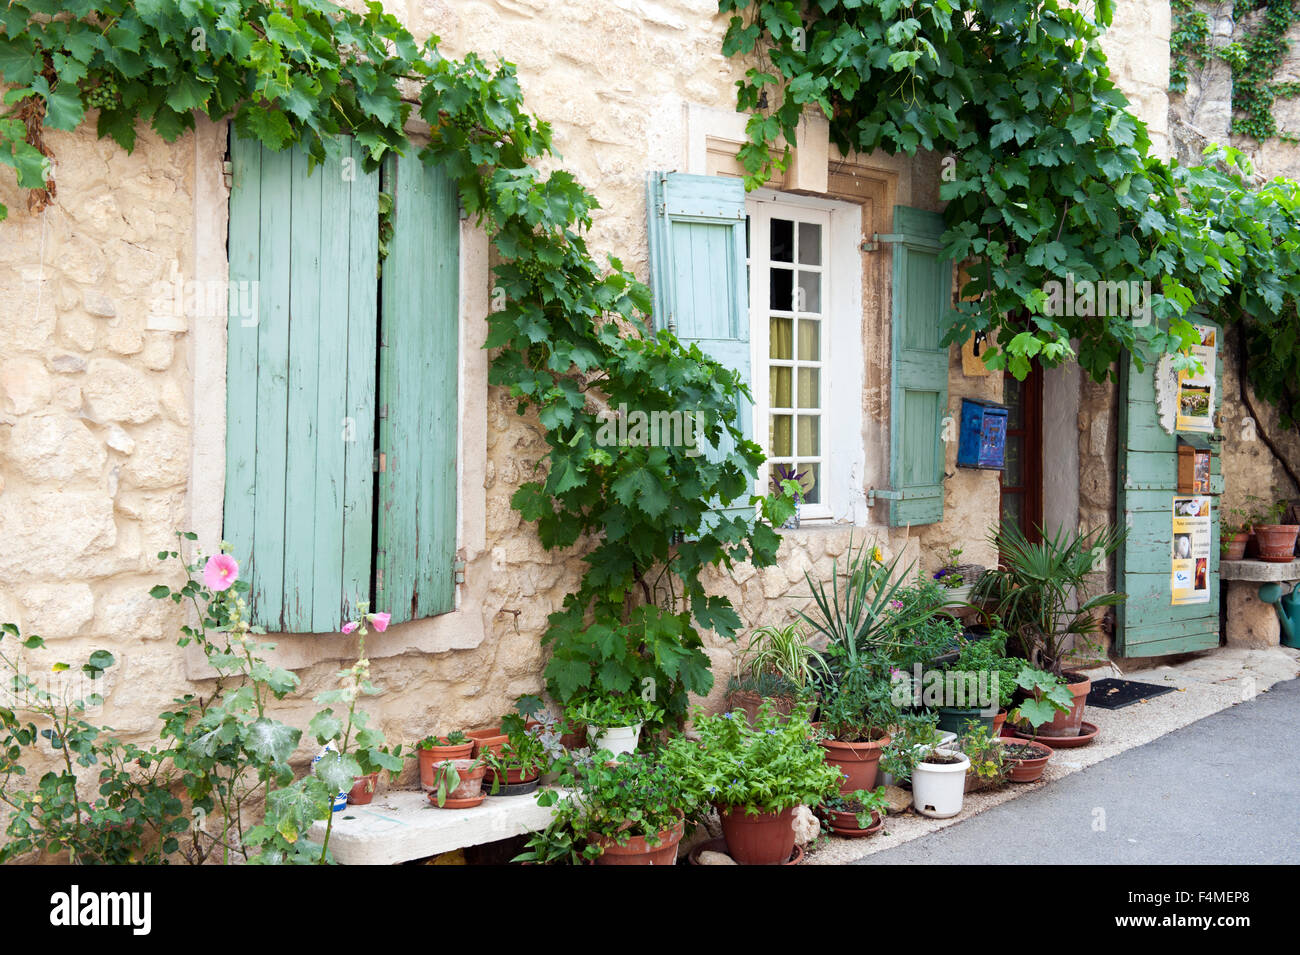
(938, 788)
(617, 739)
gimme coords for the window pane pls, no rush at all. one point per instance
(782, 289)
(1011, 396)
(779, 439)
(809, 437)
(1013, 473)
(810, 340)
(810, 390)
(810, 243)
(779, 345)
(1011, 509)
(782, 240)
(811, 482)
(810, 292)
(781, 381)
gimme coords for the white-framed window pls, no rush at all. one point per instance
(806, 348)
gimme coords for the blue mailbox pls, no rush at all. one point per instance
(983, 434)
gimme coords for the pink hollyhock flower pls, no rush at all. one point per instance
(380, 621)
(220, 572)
(350, 626)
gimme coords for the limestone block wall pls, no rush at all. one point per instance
(100, 411)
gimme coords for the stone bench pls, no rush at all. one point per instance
(1251, 622)
(402, 826)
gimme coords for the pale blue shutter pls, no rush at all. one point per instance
(300, 383)
(922, 292)
(700, 282)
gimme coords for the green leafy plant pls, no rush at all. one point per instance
(636, 795)
(767, 767)
(1039, 589)
(988, 761)
(454, 738)
(1049, 695)
(134, 816)
(447, 779)
(612, 710)
(523, 751)
(862, 803)
(913, 734)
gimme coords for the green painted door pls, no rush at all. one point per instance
(301, 383)
(1148, 623)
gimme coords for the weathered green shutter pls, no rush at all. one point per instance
(1147, 623)
(301, 383)
(699, 278)
(922, 290)
(418, 368)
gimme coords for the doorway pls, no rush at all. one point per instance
(1022, 476)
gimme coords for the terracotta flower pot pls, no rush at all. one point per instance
(1237, 546)
(1069, 722)
(470, 790)
(363, 790)
(750, 702)
(439, 754)
(492, 739)
(1030, 768)
(764, 839)
(514, 776)
(638, 852)
(1276, 542)
(997, 723)
(846, 823)
(859, 763)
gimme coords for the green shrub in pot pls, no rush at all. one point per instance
(1049, 694)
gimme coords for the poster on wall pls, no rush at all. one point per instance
(1196, 392)
(1191, 551)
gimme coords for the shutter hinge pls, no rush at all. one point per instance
(883, 494)
(228, 173)
(383, 412)
(379, 580)
(380, 465)
(459, 568)
(877, 239)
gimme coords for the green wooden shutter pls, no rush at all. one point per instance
(922, 291)
(700, 281)
(301, 383)
(418, 379)
(1147, 623)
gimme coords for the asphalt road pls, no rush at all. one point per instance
(1224, 790)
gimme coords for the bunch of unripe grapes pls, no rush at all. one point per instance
(103, 95)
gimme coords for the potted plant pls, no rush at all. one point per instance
(613, 720)
(1026, 760)
(373, 758)
(913, 734)
(1049, 698)
(457, 784)
(755, 775)
(1234, 532)
(957, 578)
(777, 664)
(979, 684)
(857, 708)
(433, 750)
(987, 754)
(626, 811)
(939, 782)
(1039, 592)
(520, 760)
(855, 814)
(1276, 540)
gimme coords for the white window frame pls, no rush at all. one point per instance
(841, 444)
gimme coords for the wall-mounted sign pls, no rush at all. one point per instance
(1190, 578)
(1196, 392)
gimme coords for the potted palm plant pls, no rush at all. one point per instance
(1040, 594)
(755, 776)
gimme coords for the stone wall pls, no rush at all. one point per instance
(99, 416)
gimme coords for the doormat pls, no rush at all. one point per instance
(1112, 694)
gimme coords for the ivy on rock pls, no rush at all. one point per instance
(571, 339)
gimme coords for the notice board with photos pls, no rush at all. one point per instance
(1169, 563)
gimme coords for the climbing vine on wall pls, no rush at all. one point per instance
(1255, 60)
(1052, 180)
(572, 334)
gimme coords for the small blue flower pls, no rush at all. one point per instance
(771, 732)
(727, 716)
